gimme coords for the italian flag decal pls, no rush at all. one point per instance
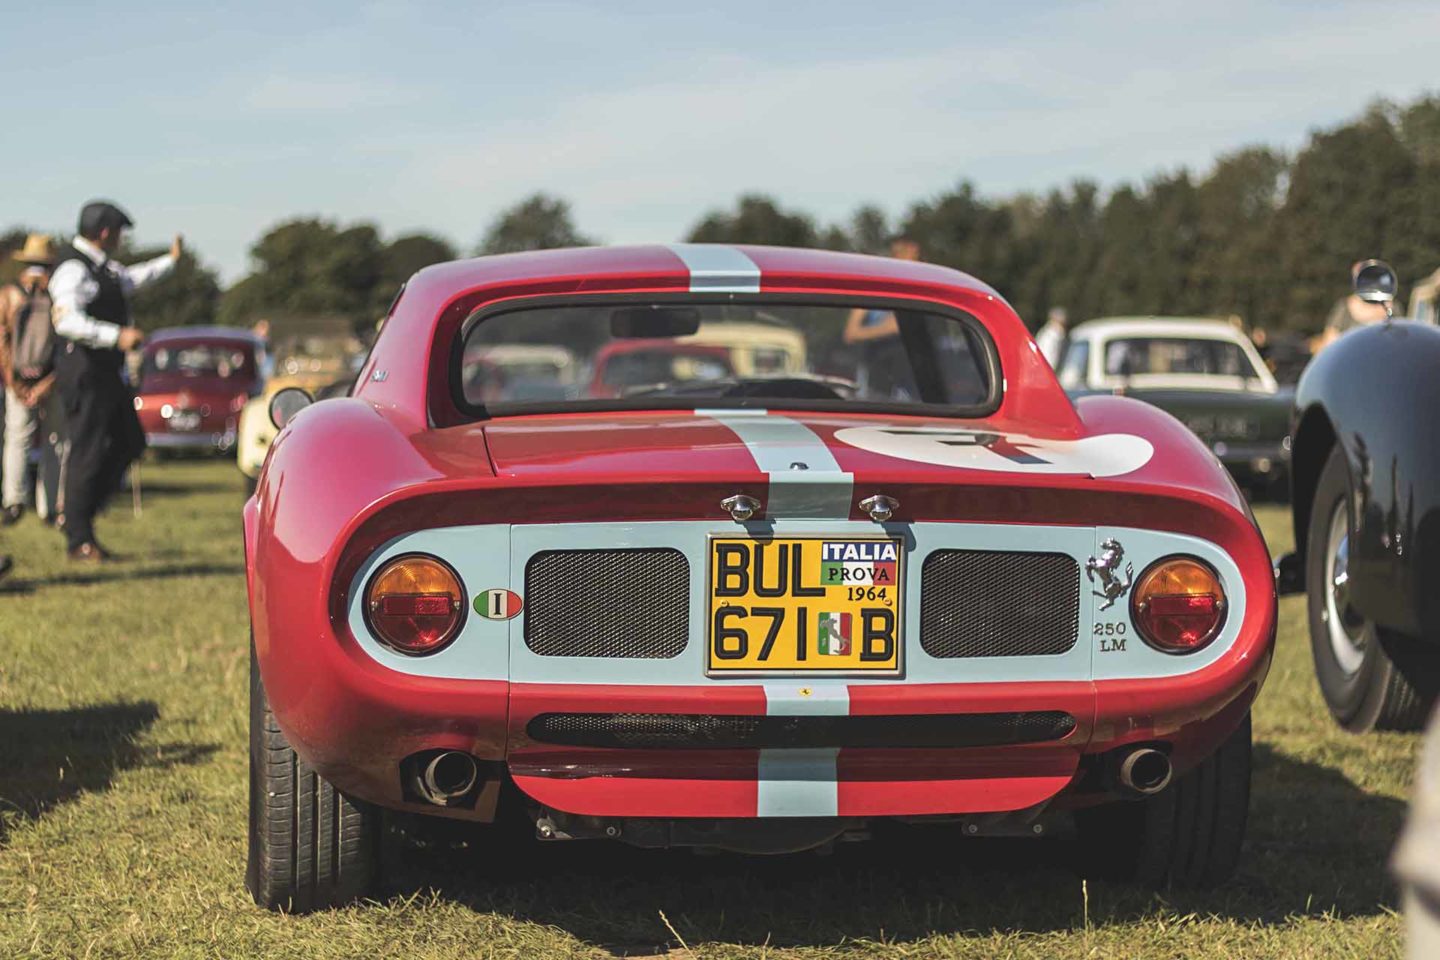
(498, 604)
(834, 635)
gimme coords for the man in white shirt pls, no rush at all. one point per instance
(90, 294)
(1051, 338)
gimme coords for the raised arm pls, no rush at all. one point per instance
(140, 274)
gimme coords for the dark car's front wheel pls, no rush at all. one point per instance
(1188, 834)
(1363, 686)
(311, 846)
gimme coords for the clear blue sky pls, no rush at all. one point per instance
(220, 119)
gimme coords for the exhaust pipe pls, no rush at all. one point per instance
(448, 777)
(1145, 771)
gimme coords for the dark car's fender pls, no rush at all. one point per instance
(1376, 393)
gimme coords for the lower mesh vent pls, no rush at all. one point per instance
(690, 731)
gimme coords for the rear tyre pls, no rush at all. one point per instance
(1363, 687)
(1188, 834)
(311, 847)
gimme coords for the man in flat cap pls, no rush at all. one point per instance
(91, 297)
(27, 365)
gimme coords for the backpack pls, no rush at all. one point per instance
(32, 354)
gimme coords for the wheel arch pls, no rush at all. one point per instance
(1315, 437)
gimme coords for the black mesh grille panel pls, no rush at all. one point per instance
(686, 731)
(981, 603)
(607, 603)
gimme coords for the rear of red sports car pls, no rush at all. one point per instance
(744, 609)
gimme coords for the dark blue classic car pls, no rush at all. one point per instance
(1366, 502)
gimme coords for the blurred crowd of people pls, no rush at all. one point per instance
(65, 327)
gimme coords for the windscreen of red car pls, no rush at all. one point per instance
(198, 359)
(675, 354)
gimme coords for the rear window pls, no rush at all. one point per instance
(665, 354)
(1137, 356)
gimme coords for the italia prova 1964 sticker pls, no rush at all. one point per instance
(498, 604)
(1106, 455)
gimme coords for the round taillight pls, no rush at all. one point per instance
(1178, 605)
(415, 604)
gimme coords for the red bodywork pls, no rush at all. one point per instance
(196, 408)
(402, 457)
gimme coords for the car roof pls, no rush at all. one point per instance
(203, 333)
(659, 259)
(1204, 328)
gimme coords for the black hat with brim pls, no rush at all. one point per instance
(97, 215)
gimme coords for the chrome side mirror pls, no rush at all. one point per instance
(1375, 282)
(286, 403)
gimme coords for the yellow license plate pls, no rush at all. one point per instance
(805, 605)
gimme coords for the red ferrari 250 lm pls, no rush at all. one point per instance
(908, 579)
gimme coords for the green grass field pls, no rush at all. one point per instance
(123, 788)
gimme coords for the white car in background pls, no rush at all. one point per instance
(1205, 372)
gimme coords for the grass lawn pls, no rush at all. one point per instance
(123, 795)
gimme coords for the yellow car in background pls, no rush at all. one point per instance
(756, 349)
(315, 363)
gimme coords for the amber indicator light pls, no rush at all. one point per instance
(415, 604)
(1178, 605)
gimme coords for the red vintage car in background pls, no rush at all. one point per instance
(750, 611)
(626, 365)
(193, 383)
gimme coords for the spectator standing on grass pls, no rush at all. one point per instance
(27, 365)
(91, 296)
(1053, 335)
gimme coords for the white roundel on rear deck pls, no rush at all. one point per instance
(1106, 455)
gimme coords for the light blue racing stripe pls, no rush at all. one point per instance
(718, 269)
(805, 479)
(807, 700)
(798, 783)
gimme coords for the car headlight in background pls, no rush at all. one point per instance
(415, 604)
(1178, 605)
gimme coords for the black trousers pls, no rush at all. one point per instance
(103, 431)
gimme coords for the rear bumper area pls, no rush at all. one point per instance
(744, 751)
(624, 736)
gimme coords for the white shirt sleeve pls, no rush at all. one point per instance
(71, 290)
(137, 276)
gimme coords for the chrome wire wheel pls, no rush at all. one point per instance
(1364, 686)
(1344, 627)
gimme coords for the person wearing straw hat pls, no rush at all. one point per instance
(27, 365)
(91, 293)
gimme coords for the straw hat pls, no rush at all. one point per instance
(39, 250)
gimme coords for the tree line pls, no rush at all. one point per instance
(1262, 233)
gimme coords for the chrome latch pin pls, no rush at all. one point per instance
(880, 507)
(740, 507)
